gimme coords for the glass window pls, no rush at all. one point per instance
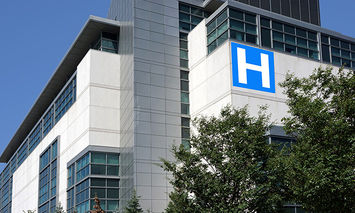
(278, 45)
(101, 193)
(314, 54)
(112, 193)
(184, 85)
(211, 37)
(112, 205)
(211, 26)
(44, 159)
(353, 47)
(222, 28)
(345, 54)
(290, 39)
(184, 8)
(184, 75)
(185, 132)
(184, 63)
(301, 32)
(290, 49)
(184, 17)
(346, 62)
(113, 183)
(184, 54)
(222, 38)
(336, 60)
(98, 182)
(97, 157)
(183, 35)
(250, 28)
(344, 45)
(312, 36)
(302, 42)
(212, 46)
(277, 26)
(98, 169)
(237, 35)
(112, 159)
(277, 36)
(265, 22)
(195, 20)
(222, 17)
(185, 109)
(313, 45)
(236, 14)
(334, 42)
(184, 26)
(325, 39)
(112, 170)
(289, 29)
(251, 39)
(325, 53)
(302, 52)
(250, 18)
(335, 51)
(236, 25)
(196, 11)
(265, 37)
(184, 97)
(185, 122)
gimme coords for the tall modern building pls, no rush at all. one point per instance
(124, 94)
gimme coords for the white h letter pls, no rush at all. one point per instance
(243, 66)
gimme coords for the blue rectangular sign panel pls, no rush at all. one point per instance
(253, 68)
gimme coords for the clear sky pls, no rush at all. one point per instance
(35, 35)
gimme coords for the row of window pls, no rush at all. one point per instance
(82, 188)
(48, 179)
(108, 42)
(60, 106)
(242, 26)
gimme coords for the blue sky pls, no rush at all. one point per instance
(35, 35)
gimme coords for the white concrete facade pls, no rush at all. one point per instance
(92, 120)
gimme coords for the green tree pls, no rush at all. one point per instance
(229, 167)
(133, 204)
(321, 166)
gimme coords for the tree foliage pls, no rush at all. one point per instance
(133, 205)
(321, 165)
(229, 167)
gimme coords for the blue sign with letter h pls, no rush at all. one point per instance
(253, 68)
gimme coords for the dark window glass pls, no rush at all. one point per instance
(345, 54)
(184, 54)
(335, 51)
(212, 46)
(325, 53)
(353, 47)
(344, 45)
(250, 18)
(314, 11)
(196, 11)
(184, 17)
(185, 122)
(334, 42)
(312, 45)
(275, 6)
(289, 29)
(184, 8)
(98, 182)
(222, 17)
(345, 62)
(97, 192)
(97, 157)
(285, 7)
(211, 37)
(112, 170)
(238, 25)
(304, 10)
(290, 49)
(251, 38)
(265, 4)
(184, 26)
(277, 26)
(112, 193)
(112, 205)
(184, 75)
(222, 28)
(314, 54)
(265, 37)
(112, 159)
(183, 36)
(301, 32)
(353, 64)
(302, 42)
(184, 85)
(312, 36)
(277, 36)
(98, 169)
(211, 26)
(278, 46)
(325, 39)
(295, 9)
(336, 60)
(250, 29)
(237, 35)
(302, 52)
(236, 14)
(222, 38)
(265, 22)
(113, 183)
(185, 109)
(195, 20)
(185, 132)
(184, 63)
(290, 39)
